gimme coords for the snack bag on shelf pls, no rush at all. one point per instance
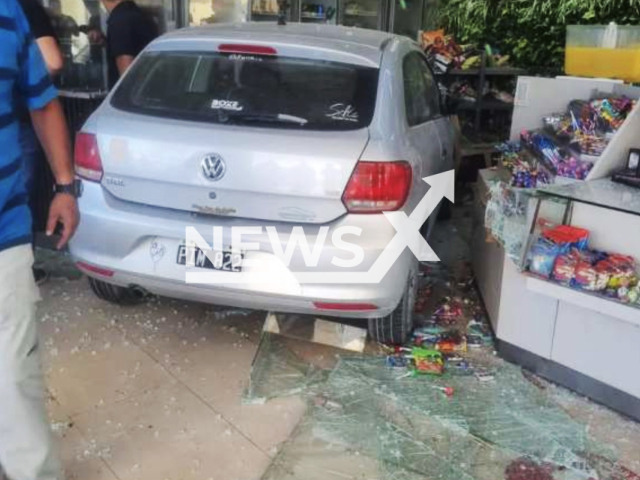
(629, 295)
(543, 256)
(622, 271)
(565, 267)
(587, 275)
(556, 241)
(559, 125)
(568, 237)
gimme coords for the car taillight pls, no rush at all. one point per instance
(376, 187)
(243, 49)
(87, 157)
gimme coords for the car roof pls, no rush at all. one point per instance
(366, 43)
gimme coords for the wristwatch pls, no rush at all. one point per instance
(74, 189)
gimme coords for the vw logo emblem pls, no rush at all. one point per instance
(213, 167)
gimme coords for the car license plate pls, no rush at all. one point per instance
(222, 261)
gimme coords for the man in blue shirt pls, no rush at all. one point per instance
(25, 445)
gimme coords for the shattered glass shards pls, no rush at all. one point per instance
(506, 217)
(510, 212)
(399, 427)
(482, 419)
(278, 372)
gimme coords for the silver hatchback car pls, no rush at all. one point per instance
(318, 127)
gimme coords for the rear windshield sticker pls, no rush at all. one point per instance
(342, 112)
(246, 58)
(226, 105)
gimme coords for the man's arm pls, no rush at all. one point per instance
(35, 89)
(123, 62)
(51, 127)
(51, 53)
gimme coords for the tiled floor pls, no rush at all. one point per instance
(154, 391)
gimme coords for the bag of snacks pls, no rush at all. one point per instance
(565, 267)
(543, 257)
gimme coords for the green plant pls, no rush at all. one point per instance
(532, 32)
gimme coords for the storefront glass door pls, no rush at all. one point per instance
(363, 13)
(406, 17)
(207, 12)
(85, 60)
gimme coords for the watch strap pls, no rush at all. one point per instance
(74, 189)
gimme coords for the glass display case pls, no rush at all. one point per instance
(267, 11)
(363, 14)
(85, 62)
(319, 11)
(404, 17)
(164, 12)
(304, 11)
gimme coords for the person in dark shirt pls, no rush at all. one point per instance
(129, 31)
(44, 33)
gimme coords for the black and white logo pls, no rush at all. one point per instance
(230, 105)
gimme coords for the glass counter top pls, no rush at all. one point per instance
(601, 193)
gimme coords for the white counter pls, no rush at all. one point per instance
(584, 341)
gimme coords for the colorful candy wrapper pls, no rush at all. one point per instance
(565, 267)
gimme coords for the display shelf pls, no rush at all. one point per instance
(583, 340)
(310, 17)
(490, 71)
(486, 104)
(480, 78)
(588, 300)
(361, 14)
(478, 148)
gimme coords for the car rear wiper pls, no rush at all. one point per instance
(263, 117)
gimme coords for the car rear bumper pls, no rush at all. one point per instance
(138, 245)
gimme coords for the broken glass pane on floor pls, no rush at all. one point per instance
(369, 421)
(483, 419)
(278, 372)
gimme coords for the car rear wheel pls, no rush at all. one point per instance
(396, 327)
(445, 213)
(115, 294)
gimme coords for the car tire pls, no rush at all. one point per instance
(445, 213)
(115, 294)
(395, 328)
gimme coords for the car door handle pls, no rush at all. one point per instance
(445, 152)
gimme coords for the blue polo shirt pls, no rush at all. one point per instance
(23, 75)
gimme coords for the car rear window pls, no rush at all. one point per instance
(250, 90)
